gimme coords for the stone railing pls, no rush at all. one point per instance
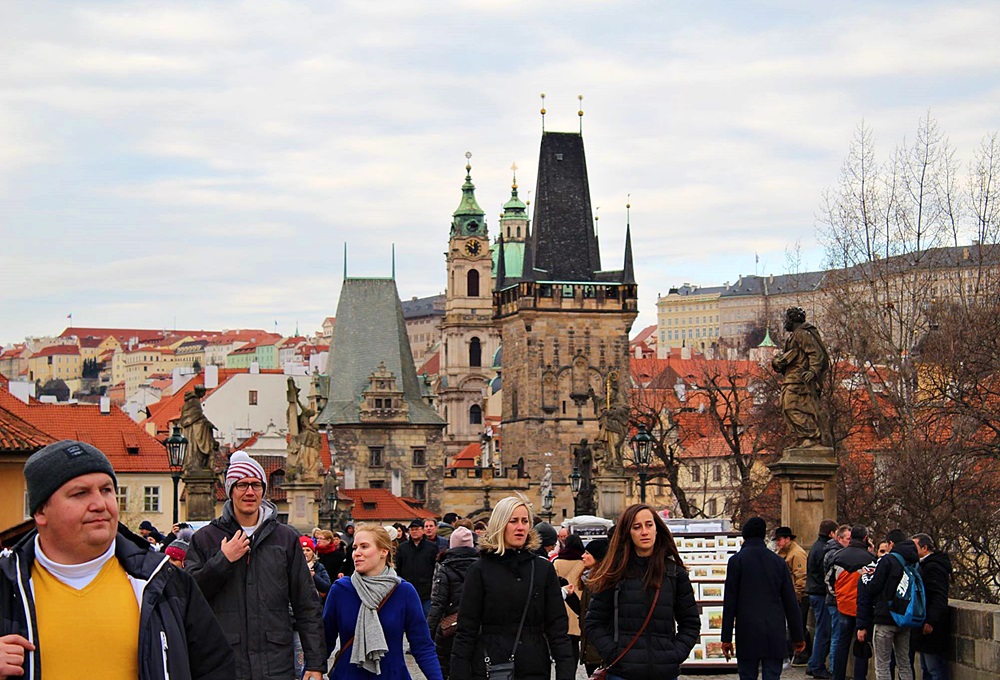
(975, 632)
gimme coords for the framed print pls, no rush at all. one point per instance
(699, 558)
(713, 649)
(697, 654)
(710, 543)
(711, 620)
(718, 571)
(701, 572)
(711, 592)
(697, 543)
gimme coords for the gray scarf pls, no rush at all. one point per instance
(369, 639)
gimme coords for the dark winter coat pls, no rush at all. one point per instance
(874, 598)
(446, 597)
(493, 598)
(760, 600)
(935, 569)
(845, 575)
(671, 633)
(830, 552)
(251, 596)
(401, 614)
(336, 562)
(321, 578)
(815, 573)
(415, 562)
(178, 635)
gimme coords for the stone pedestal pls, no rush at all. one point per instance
(610, 492)
(808, 478)
(199, 496)
(303, 510)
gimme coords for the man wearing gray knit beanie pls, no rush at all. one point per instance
(88, 577)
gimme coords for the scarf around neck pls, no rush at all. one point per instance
(369, 639)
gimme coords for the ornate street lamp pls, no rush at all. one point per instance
(641, 445)
(547, 500)
(575, 480)
(176, 445)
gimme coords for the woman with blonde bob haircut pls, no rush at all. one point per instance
(642, 617)
(370, 611)
(507, 585)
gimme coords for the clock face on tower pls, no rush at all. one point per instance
(472, 247)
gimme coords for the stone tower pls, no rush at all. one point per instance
(564, 322)
(382, 434)
(469, 337)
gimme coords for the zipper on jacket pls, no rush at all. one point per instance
(27, 618)
(163, 645)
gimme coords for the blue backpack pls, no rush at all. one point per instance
(908, 605)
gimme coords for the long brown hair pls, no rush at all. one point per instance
(621, 553)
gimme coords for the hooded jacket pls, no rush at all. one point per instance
(251, 596)
(874, 597)
(446, 595)
(493, 598)
(179, 637)
(614, 616)
(814, 567)
(846, 573)
(935, 569)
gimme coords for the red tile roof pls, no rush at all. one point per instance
(379, 505)
(114, 433)
(90, 343)
(18, 436)
(643, 334)
(125, 334)
(432, 365)
(467, 457)
(55, 350)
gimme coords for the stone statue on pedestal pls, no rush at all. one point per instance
(199, 432)
(803, 366)
(583, 459)
(545, 486)
(613, 418)
(304, 440)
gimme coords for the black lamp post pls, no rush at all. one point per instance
(575, 480)
(331, 505)
(641, 444)
(547, 500)
(176, 445)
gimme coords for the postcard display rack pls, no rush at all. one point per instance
(705, 547)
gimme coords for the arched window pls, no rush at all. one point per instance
(472, 280)
(475, 415)
(519, 232)
(475, 352)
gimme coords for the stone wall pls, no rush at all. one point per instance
(975, 653)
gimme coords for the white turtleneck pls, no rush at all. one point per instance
(77, 576)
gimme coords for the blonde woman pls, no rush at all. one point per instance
(370, 611)
(507, 585)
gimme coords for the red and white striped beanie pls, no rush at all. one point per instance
(242, 466)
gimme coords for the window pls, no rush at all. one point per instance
(420, 490)
(712, 508)
(475, 415)
(475, 352)
(716, 473)
(376, 484)
(695, 473)
(472, 283)
(122, 499)
(420, 457)
(151, 499)
(277, 480)
(253, 397)
(375, 457)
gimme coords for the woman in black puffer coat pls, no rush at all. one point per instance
(493, 598)
(446, 594)
(642, 557)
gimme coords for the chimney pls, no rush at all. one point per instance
(22, 390)
(685, 352)
(211, 377)
(105, 405)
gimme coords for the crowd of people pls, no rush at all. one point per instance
(247, 596)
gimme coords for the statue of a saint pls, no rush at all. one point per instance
(545, 486)
(199, 432)
(613, 418)
(803, 366)
(304, 440)
(583, 459)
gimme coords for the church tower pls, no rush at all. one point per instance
(564, 321)
(469, 337)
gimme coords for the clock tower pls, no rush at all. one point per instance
(469, 337)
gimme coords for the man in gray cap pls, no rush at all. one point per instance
(83, 592)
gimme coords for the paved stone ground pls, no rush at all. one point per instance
(789, 674)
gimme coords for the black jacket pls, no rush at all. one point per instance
(671, 633)
(875, 595)
(251, 596)
(178, 635)
(935, 569)
(446, 596)
(815, 573)
(336, 563)
(829, 555)
(760, 600)
(415, 562)
(493, 598)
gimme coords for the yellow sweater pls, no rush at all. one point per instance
(88, 633)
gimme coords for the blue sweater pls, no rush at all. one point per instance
(402, 613)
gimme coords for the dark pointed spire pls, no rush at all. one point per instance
(528, 261)
(501, 277)
(628, 271)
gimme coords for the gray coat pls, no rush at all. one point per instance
(251, 596)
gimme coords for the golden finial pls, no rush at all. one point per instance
(597, 217)
(543, 112)
(513, 169)
(468, 161)
(580, 112)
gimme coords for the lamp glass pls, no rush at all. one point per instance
(176, 445)
(641, 444)
(575, 480)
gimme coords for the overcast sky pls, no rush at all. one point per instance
(201, 164)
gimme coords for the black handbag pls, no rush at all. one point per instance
(505, 670)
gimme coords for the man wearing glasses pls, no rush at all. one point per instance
(251, 568)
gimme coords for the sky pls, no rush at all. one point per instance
(202, 164)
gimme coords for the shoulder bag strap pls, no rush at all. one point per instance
(350, 640)
(520, 626)
(642, 629)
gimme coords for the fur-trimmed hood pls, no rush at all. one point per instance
(533, 543)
